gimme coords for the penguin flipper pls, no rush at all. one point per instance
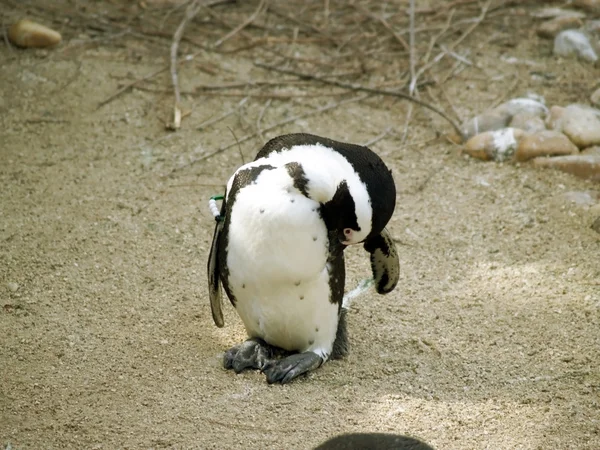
(214, 281)
(385, 263)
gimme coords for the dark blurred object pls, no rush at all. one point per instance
(373, 441)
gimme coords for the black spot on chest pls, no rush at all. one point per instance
(298, 176)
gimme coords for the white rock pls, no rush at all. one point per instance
(12, 286)
(551, 13)
(574, 43)
(527, 122)
(523, 105)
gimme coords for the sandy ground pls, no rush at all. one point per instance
(490, 341)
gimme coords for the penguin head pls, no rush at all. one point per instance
(347, 215)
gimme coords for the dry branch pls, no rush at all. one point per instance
(360, 88)
(243, 25)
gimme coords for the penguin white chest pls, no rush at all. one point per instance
(277, 261)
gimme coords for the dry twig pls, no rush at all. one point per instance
(243, 25)
(360, 88)
(190, 12)
(272, 127)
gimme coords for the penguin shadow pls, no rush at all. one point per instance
(373, 441)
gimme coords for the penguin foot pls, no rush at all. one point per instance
(286, 369)
(251, 354)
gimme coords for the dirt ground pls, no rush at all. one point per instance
(490, 341)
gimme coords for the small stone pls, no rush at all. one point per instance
(588, 5)
(498, 145)
(554, 119)
(581, 124)
(499, 117)
(595, 150)
(595, 98)
(551, 13)
(574, 43)
(488, 121)
(582, 166)
(523, 105)
(527, 122)
(12, 286)
(26, 33)
(551, 28)
(596, 225)
(544, 143)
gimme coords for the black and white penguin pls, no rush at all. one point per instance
(278, 249)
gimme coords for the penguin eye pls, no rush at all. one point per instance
(347, 231)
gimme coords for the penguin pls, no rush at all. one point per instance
(278, 249)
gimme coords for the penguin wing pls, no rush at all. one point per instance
(214, 275)
(384, 261)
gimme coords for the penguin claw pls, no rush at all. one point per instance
(285, 370)
(251, 354)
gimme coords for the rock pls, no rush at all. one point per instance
(580, 123)
(595, 98)
(588, 5)
(522, 105)
(500, 116)
(551, 13)
(544, 143)
(554, 119)
(527, 122)
(592, 150)
(596, 225)
(26, 33)
(488, 121)
(582, 165)
(551, 28)
(574, 43)
(498, 145)
(12, 286)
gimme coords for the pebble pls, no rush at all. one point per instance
(583, 165)
(595, 98)
(544, 143)
(550, 28)
(499, 117)
(580, 123)
(488, 121)
(523, 105)
(499, 145)
(574, 43)
(551, 13)
(26, 33)
(595, 150)
(527, 122)
(12, 286)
